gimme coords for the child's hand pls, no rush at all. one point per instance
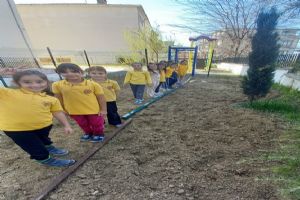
(68, 129)
(7, 71)
(102, 113)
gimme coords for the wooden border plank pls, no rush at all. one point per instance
(66, 173)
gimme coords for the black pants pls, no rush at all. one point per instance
(163, 84)
(33, 142)
(112, 113)
(172, 80)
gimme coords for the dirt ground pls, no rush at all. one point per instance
(192, 144)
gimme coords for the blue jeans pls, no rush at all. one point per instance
(138, 91)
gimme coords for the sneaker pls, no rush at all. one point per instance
(56, 151)
(97, 138)
(138, 102)
(158, 94)
(56, 162)
(119, 125)
(85, 138)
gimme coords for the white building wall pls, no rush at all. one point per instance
(92, 27)
(12, 42)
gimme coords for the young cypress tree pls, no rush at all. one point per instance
(262, 59)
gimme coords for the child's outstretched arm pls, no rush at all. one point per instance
(148, 79)
(127, 78)
(57, 93)
(61, 117)
(102, 104)
(7, 71)
(116, 88)
(61, 100)
(101, 99)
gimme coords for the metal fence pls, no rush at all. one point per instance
(19, 57)
(287, 60)
(283, 60)
(17, 62)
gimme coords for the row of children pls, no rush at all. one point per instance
(158, 76)
(26, 113)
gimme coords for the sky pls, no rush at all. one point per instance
(161, 13)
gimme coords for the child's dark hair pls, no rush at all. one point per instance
(169, 63)
(148, 67)
(136, 63)
(182, 61)
(161, 63)
(18, 75)
(173, 63)
(97, 68)
(61, 68)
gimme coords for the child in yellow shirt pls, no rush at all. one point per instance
(111, 89)
(137, 80)
(162, 80)
(182, 71)
(26, 116)
(83, 100)
(171, 75)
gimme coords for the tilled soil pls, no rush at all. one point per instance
(192, 144)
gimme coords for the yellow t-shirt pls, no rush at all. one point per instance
(79, 99)
(110, 87)
(182, 70)
(169, 72)
(138, 78)
(162, 76)
(23, 110)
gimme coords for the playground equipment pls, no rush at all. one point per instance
(191, 50)
(211, 46)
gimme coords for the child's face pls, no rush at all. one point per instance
(98, 75)
(137, 66)
(153, 66)
(72, 75)
(161, 66)
(184, 62)
(174, 66)
(33, 83)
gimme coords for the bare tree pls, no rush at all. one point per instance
(235, 18)
(293, 8)
(146, 38)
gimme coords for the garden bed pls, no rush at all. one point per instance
(192, 144)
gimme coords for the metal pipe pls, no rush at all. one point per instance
(54, 63)
(87, 58)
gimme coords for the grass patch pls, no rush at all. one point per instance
(287, 158)
(287, 105)
(286, 109)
